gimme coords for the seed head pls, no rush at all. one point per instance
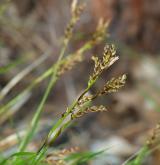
(109, 57)
(113, 85)
(76, 10)
(70, 62)
(80, 113)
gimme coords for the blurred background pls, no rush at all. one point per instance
(30, 29)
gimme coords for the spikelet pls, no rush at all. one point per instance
(69, 63)
(113, 85)
(109, 57)
(80, 113)
(76, 10)
(85, 99)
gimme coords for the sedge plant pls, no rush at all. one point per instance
(84, 104)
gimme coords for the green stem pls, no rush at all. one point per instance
(35, 120)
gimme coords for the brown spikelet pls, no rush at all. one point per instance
(69, 63)
(85, 99)
(76, 10)
(109, 57)
(100, 108)
(113, 85)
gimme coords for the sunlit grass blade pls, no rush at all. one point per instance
(20, 157)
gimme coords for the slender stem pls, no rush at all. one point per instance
(35, 120)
